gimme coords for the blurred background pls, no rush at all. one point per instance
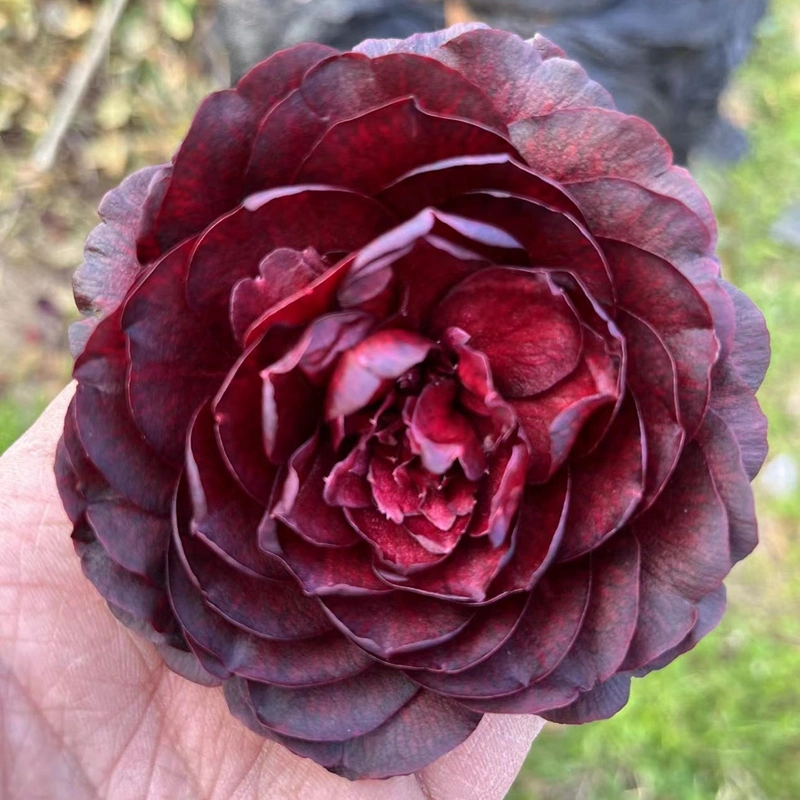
(91, 91)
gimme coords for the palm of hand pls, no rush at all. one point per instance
(88, 710)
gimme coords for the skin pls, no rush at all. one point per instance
(88, 710)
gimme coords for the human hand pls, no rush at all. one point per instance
(89, 710)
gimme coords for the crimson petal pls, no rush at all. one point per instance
(610, 621)
(733, 401)
(338, 712)
(750, 353)
(652, 379)
(724, 461)
(322, 571)
(281, 273)
(222, 514)
(398, 622)
(655, 292)
(599, 143)
(433, 183)
(175, 361)
(136, 595)
(521, 321)
(537, 537)
(348, 86)
(302, 506)
(551, 238)
(485, 634)
(624, 211)
(709, 614)
(106, 427)
(607, 484)
(357, 153)
(685, 555)
(269, 608)
(541, 640)
(531, 77)
(222, 132)
(305, 662)
(367, 370)
(110, 264)
(602, 702)
(339, 221)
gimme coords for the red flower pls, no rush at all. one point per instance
(410, 391)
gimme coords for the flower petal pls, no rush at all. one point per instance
(110, 265)
(358, 153)
(655, 292)
(331, 220)
(521, 83)
(542, 638)
(398, 622)
(106, 427)
(607, 484)
(338, 712)
(349, 86)
(602, 702)
(222, 132)
(685, 555)
(521, 321)
(305, 662)
(652, 379)
(301, 504)
(175, 361)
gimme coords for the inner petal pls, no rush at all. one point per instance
(521, 321)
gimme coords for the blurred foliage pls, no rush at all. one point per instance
(162, 61)
(722, 722)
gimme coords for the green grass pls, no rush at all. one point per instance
(15, 418)
(723, 722)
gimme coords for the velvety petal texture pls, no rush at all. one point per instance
(410, 391)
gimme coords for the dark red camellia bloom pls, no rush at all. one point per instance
(410, 391)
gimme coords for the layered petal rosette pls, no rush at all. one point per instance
(410, 391)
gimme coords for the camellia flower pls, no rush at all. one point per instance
(410, 391)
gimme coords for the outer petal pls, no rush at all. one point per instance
(602, 702)
(724, 460)
(607, 485)
(222, 132)
(340, 711)
(424, 729)
(347, 87)
(750, 353)
(685, 555)
(539, 643)
(486, 633)
(653, 381)
(625, 211)
(420, 43)
(398, 622)
(106, 427)
(110, 265)
(521, 83)
(305, 662)
(176, 361)
(655, 292)
(360, 153)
